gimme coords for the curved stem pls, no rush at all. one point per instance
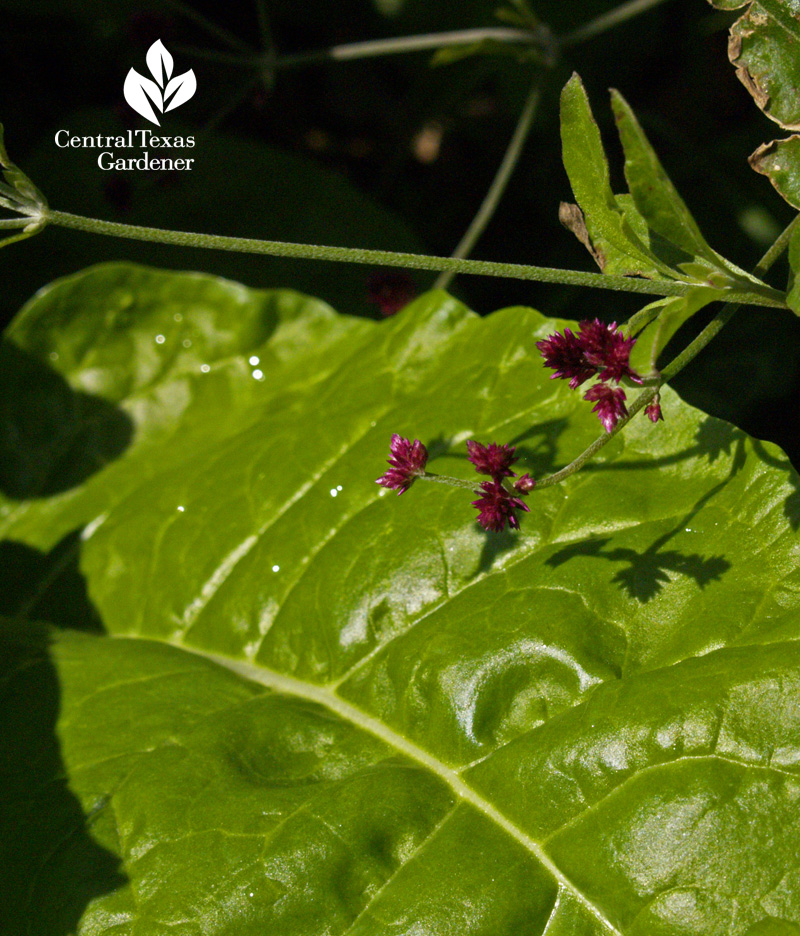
(499, 183)
(232, 41)
(558, 476)
(447, 479)
(606, 21)
(764, 297)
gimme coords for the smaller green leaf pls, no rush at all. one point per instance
(655, 196)
(779, 161)
(615, 244)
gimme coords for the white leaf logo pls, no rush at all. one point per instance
(165, 92)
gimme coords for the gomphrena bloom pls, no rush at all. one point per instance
(607, 350)
(497, 507)
(408, 462)
(525, 484)
(610, 402)
(492, 459)
(597, 349)
(565, 354)
(653, 411)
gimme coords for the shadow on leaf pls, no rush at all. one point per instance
(46, 586)
(52, 867)
(648, 572)
(52, 438)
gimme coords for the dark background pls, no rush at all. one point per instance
(392, 153)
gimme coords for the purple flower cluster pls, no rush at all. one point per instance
(497, 505)
(597, 350)
(408, 463)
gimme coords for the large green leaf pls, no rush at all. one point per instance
(763, 48)
(269, 697)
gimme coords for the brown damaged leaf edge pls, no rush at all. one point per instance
(573, 220)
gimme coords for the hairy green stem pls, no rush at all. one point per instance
(764, 296)
(676, 365)
(639, 403)
(606, 21)
(499, 183)
(447, 479)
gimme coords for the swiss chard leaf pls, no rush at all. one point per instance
(302, 705)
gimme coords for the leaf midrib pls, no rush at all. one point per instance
(288, 685)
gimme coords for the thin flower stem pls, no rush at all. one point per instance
(726, 313)
(675, 366)
(557, 477)
(264, 26)
(607, 21)
(228, 38)
(499, 183)
(14, 222)
(760, 296)
(779, 246)
(453, 482)
(377, 47)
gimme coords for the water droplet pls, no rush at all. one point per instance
(254, 360)
(181, 509)
(258, 375)
(205, 368)
(177, 317)
(160, 339)
(334, 492)
(54, 355)
(186, 343)
(276, 568)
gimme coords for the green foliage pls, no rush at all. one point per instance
(763, 48)
(299, 705)
(648, 232)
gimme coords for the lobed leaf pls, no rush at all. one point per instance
(300, 705)
(763, 48)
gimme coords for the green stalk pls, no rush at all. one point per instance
(606, 21)
(764, 296)
(499, 183)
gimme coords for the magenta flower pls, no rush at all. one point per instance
(610, 406)
(408, 463)
(497, 507)
(565, 354)
(653, 411)
(525, 484)
(492, 459)
(608, 350)
(596, 349)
